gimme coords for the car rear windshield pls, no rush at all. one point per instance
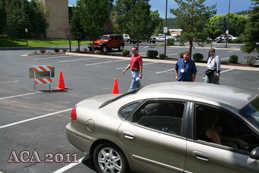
(119, 97)
(104, 37)
(251, 112)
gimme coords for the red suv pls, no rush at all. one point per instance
(106, 42)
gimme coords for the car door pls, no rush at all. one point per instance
(207, 156)
(152, 137)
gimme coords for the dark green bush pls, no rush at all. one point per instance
(197, 57)
(181, 55)
(64, 50)
(238, 40)
(230, 41)
(56, 49)
(170, 41)
(152, 53)
(125, 52)
(233, 59)
(162, 56)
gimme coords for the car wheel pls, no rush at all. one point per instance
(104, 49)
(90, 49)
(109, 158)
(120, 47)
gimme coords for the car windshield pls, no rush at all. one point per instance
(251, 112)
(119, 97)
(104, 37)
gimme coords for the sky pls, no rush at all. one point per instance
(222, 6)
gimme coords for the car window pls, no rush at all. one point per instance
(162, 115)
(126, 110)
(120, 97)
(104, 37)
(232, 131)
(111, 37)
(116, 37)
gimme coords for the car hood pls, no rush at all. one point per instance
(96, 101)
(99, 41)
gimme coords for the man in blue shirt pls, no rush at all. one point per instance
(185, 68)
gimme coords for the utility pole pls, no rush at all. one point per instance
(26, 29)
(165, 28)
(227, 32)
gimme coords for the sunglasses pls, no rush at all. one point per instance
(133, 50)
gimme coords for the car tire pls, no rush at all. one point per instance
(104, 49)
(90, 49)
(120, 48)
(109, 158)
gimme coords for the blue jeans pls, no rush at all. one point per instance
(134, 83)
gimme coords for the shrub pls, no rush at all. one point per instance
(224, 62)
(250, 60)
(162, 56)
(170, 41)
(238, 40)
(181, 44)
(85, 49)
(64, 50)
(181, 55)
(152, 53)
(230, 41)
(233, 59)
(197, 57)
(125, 52)
(77, 50)
(42, 50)
(56, 49)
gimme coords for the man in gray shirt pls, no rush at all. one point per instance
(214, 65)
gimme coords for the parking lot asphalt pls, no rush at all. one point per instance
(32, 126)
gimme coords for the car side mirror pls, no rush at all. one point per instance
(255, 153)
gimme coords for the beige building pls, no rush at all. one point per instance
(58, 16)
(175, 32)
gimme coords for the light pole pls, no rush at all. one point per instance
(26, 30)
(165, 27)
(227, 26)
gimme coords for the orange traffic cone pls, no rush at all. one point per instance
(61, 84)
(115, 89)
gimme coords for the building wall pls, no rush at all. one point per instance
(58, 16)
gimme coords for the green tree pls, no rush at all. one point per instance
(157, 20)
(192, 18)
(222, 24)
(15, 18)
(123, 7)
(238, 23)
(37, 18)
(138, 21)
(212, 32)
(3, 16)
(252, 29)
(93, 15)
(76, 28)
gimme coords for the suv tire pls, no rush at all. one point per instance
(104, 49)
(120, 48)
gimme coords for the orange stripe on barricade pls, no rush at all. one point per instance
(36, 70)
(42, 81)
(36, 82)
(49, 79)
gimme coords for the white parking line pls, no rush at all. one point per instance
(224, 58)
(143, 65)
(105, 62)
(68, 166)
(76, 60)
(19, 95)
(52, 57)
(233, 50)
(34, 118)
(222, 72)
(9, 82)
(164, 71)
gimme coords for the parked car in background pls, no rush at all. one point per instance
(107, 42)
(159, 39)
(152, 39)
(126, 38)
(159, 128)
